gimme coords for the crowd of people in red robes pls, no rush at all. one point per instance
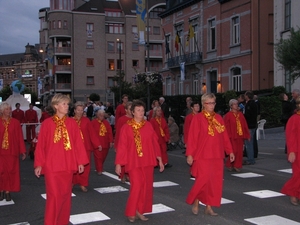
(65, 145)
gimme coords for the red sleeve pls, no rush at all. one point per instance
(186, 127)
(292, 135)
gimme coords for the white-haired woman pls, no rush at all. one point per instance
(12, 145)
(104, 135)
(238, 132)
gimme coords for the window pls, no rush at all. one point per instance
(155, 12)
(236, 79)
(112, 13)
(53, 24)
(111, 46)
(148, 29)
(114, 28)
(134, 29)
(90, 80)
(168, 86)
(287, 14)
(111, 64)
(89, 29)
(65, 26)
(110, 82)
(135, 63)
(212, 34)
(195, 84)
(156, 30)
(90, 62)
(235, 31)
(59, 24)
(90, 44)
(120, 44)
(135, 46)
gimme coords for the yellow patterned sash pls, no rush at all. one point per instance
(136, 134)
(61, 132)
(213, 123)
(102, 130)
(238, 124)
(158, 120)
(5, 142)
(78, 121)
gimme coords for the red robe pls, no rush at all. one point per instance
(58, 166)
(100, 156)
(237, 141)
(186, 127)
(10, 158)
(19, 115)
(30, 117)
(140, 169)
(91, 142)
(162, 140)
(120, 111)
(208, 154)
(292, 131)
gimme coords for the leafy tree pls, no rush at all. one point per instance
(94, 97)
(5, 92)
(288, 53)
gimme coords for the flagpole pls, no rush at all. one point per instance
(148, 55)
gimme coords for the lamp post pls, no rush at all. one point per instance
(148, 55)
(120, 70)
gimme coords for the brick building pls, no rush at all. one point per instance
(231, 48)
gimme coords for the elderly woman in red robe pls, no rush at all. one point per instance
(292, 186)
(59, 154)
(138, 151)
(104, 134)
(238, 132)
(12, 145)
(161, 129)
(90, 141)
(205, 154)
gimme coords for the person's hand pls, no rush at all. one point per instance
(23, 156)
(189, 160)
(37, 171)
(100, 148)
(292, 157)
(161, 166)
(80, 168)
(118, 169)
(231, 157)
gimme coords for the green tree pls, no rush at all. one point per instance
(288, 53)
(94, 97)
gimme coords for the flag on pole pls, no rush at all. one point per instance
(191, 34)
(182, 72)
(167, 46)
(140, 17)
(177, 41)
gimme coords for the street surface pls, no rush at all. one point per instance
(249, 197)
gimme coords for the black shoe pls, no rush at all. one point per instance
(7, 197)
(246, 163)
(1, 195)
(167, 165)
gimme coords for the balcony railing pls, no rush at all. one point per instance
(154, 53)
(63, 86)
(63, 50)
(187, 58)
(63, 68)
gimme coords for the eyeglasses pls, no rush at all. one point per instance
(209, 103)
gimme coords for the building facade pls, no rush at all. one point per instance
(222, 45)
(88, 43)
(286, 16)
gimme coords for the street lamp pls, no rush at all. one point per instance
(120, 64)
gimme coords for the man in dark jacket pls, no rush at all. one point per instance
(251, 118)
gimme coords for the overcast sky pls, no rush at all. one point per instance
(19, 24)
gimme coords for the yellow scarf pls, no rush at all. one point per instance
(136, 134)
(61, 132)
(102, 130)
(238, 124)
(78, 121)
(213, 123)
(5, 142)
(158, 120)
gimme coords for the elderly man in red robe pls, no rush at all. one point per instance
(59, 154)
(138, 151)
(238, 132)
(161, 129)
(205, 154)
(30, 117)
(122, 121)
(90, 141)
(104, 135)
(18, 113)
(11, 146)
(292, 186)
(195, 107)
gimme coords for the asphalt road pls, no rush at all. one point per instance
(253, 198)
